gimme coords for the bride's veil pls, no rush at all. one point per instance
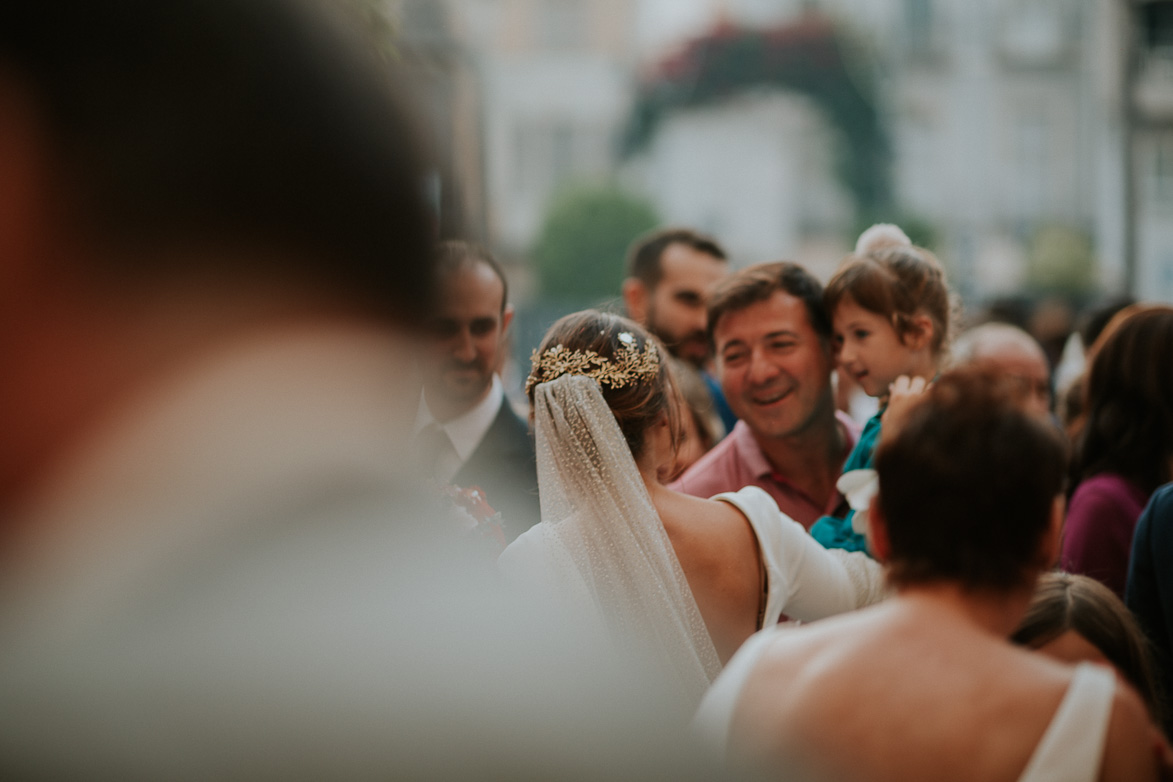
(595, 502)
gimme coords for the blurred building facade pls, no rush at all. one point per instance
(446, 86)
(1144, 30)
(998, 125)
(755, 171)
(556, 82)
(1011, 123)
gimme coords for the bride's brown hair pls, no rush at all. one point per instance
(637, 404)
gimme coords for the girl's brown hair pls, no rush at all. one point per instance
(1063, 601)
(637, 405)
(899, 282)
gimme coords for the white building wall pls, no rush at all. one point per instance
(754, 171)
(557, 77)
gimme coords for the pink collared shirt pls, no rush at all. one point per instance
(737, 461)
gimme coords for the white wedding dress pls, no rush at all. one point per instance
(601, 552)
(1071, 749)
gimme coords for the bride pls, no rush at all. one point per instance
(683, 579)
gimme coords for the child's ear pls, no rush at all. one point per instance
(919, 333)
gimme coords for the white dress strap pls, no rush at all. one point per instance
(1073, 746)
(715, 715)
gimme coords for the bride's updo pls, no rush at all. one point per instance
(641, 390)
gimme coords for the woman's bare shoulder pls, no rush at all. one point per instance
(841, 681)
(703, 517)
(707, 533)
(1134, 748)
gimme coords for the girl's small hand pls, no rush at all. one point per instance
(902, 397)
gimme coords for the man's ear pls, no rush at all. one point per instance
(635, 300)
(506, 319)
(878, 531)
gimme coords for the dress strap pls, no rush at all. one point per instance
(1073, 745)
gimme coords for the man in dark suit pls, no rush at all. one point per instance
(467, 433)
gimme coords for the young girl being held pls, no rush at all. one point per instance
(890, 309)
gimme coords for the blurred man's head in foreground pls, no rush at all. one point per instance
(181, 170)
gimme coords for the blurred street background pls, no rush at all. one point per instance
(1029, 143)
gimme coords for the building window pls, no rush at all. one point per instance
(563, 24)
(919, 24)
(1156, 20)
(549, 153)
(1162, 169)
(1035, 32)
(1032, 155)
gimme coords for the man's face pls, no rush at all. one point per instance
(465, 340)
(676, 306)
(1027, 367)
(773, 368)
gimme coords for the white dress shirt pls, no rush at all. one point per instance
(465, 432)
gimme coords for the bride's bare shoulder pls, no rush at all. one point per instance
(705, 528)
(708, 513)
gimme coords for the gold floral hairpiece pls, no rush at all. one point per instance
(627, 366)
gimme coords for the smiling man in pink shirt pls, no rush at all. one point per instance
(772, 341)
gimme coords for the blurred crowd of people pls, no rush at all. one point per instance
(268, 511)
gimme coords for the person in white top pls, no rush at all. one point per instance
(466, 432)
(926, 685)
(682, 579)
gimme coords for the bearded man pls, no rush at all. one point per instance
(671, 273)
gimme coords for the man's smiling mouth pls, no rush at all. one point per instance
(772, 397)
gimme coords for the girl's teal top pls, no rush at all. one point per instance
(835, 532)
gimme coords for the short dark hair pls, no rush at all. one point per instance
(758, 283)
(215, 124)
(643, 257)
(452, 255)
(968, 484)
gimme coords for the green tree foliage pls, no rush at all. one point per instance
(1061, 260)
(581, 249)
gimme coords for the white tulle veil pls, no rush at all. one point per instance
(597, 512)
